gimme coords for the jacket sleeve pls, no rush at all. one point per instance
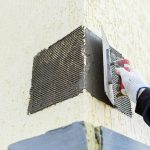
(143, 105)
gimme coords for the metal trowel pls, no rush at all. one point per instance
(107, 62)
(108, 86)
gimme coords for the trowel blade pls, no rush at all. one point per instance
(108, 87)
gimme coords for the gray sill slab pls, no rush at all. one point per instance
(114, 141)
(79, 136)
(72, 137)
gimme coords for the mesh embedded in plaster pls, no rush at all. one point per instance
(66, 68)
(57, 72)
(122, 103)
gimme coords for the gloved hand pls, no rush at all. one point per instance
(132, 82)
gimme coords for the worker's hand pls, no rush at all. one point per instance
(132, 82)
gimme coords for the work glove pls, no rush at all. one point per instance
(133, 83)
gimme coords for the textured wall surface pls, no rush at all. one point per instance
(126, 24)
(29, 26)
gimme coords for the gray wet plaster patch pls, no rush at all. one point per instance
(77, 136)
(71, 66)
(66, 68)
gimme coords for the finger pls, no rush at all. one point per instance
(123, 91)
(123, 62)
(121, 71)
(117, 72)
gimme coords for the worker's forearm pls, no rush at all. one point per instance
(143, 105)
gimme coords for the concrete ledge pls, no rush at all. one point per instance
(79, 136)
(111, 140)
(72, 137)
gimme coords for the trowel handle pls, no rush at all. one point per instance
(126, 65)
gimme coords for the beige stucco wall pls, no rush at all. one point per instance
(27, 26)
(126, 24)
